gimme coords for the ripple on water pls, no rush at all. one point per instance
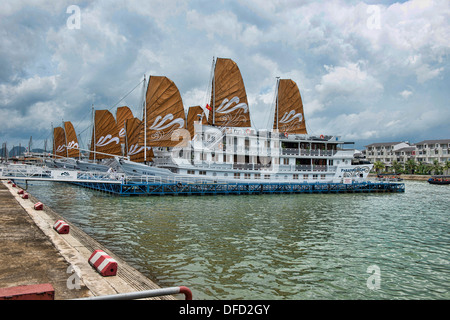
(275, 246)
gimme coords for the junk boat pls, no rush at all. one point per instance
(218, 142)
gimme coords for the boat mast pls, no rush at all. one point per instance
(278, 84)
(53, 135)
(30, 143)
(93, 130)
(144, 105)
(126, 140)
(65, 138)
(214, 93)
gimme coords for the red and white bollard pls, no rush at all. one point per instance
(61, 227)
(39, 206)
(25, 196)
(20, 191)
(103, 263)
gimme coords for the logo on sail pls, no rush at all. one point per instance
(72, 145)
(122, 132)
(291, 116)
(162, 124)
(225, 106)
(61, 148)
(105, 140)
(288, 120)
(135, 149)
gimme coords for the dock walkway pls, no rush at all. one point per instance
(31, 252)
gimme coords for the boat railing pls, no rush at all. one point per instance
(179, 179)
(243, 166)
(308, 152)
(289, 151)
(31, 172)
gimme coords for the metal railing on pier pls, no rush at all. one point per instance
(145, 294)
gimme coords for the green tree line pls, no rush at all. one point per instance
(413, 167)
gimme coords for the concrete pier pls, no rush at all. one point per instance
(32, 252)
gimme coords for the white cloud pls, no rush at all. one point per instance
(32, 90)
(425, 73)
(349, 81)
(406, 94)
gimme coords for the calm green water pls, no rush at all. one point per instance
(275, 246)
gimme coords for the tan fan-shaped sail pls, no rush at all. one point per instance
(134, 132)
(194, 114)
(164, 112)
(122, 114)
(71, 140)
(59, 142)
(289, 117)
(229, 105)
(105, 135)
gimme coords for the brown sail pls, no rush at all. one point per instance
(71, 140)
(289, 117)
(134, 133)
(194, 114)
(105, 136)
(229, 105)
(59, 142)
(122, 114)
(164, 112)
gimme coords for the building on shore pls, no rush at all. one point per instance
(426, 151)
(387, 152)
(429, 150)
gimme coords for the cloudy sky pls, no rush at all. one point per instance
(368, 71)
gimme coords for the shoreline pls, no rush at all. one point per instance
(415, 177)
(75, 248)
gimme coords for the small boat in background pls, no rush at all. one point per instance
(389, 177)
(439, 180)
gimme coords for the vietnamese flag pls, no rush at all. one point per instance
(208, 107)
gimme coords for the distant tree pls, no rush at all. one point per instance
(428, 168)
(437, 167)
(378, 166)
(397, 167)
(421, 167)
(447, 166)
(410, 166)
